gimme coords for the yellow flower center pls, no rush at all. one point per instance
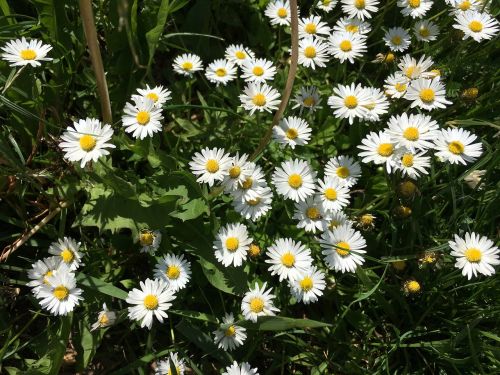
(414, 3)
(254, 250)
(407, 160)
(411, 133)
(104, 320)
(343, 248)
(424, 32)
(326, 2)
(232, 244)
(288, 260)
(313, 213)
(177, 371)
(28, 54)
(352, 28)
(464, 5)
(46, 277)
(259, 100)
(220, 72)
(240, 55)
(173, 272)
(142, 117)
(343, 172)
(310, 52)
(187, 66)
(351, 101)
(253, 202)
(366, 219)
(427, 95)
(247, 184)
(282, 13)
(295, 181)
(345, 45)
(230, 331)
(87, 142)
(409, 71)
(400, 87)
(399, 265)
(396, 40)
(234, 171)
(292, 133)
(407, 189)
(67, 255)
(456, 147)
(385, 149)
(330, 194)
(306, 284)
(471, 93)
(258, 71)
(61, 292)
(473, 255)
(333, 224)
(359, 4)
(309, 101)
(256, 305)
(212, 165)
(413, 286)
(476, 26)
(150, 302)
(436, 72)
(389, 57)
(370, 106)
(153, 96)
(146, 238)
(310, 28)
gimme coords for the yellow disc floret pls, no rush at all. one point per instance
(310, 52)
(343, 172)
(473, 255)
(411, 133)
(385, 149)
(292, 133)
(259, 100)
(351, 101)
(230, 331)
(427, 95)
(142, 117)
(456, 147)
(345, 45)
(153, 96)
(407, 160)
(476, 26)
(240, 55)
(173, 272)
(343, 248)
(28, 54)
(359, 4)
(221, 72)
(150, 302)
(258, 71)
(187, 66)
(67, 255)
(306, 284)
(313, 213)
(212, 165)
(232, 244)
(146, 238)
(288, 259)
(87, 142)
(412, 286)
(234, 171)
(414, 3)
(330, 194)
(256, 305)
(61, 292)
(295, 181)
(310, 28)
(282, 13)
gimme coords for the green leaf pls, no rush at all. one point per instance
(194, 315)
(281, 323)
(191, 210)
(153, 35)
(227, 279)
(101, 286)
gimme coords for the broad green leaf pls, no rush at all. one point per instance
(281, 323)
(153, 35)
(101, 286)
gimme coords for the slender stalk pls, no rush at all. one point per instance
(11, 81)
(87, 17)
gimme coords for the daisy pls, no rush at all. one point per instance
(326, 5)
(253, 209)
(414, 8)
(337, 219)
(310, 214)
(40, 271)
(426, 31)
(86, 141)
(475, 254)
(397, 39)
(313, 26)
(333, 194)
(460, 6)
(278, 12)
(360, 8)
(352, 25)
(220, 71)
(210, 165)
(151, 300)
(455, 145)
(396, 85)
(150, 241)
(243, 369)
(158, 94)
(349, 102)
(308, 97)
(229, 335)
(174, 270)
(237, 173)
(287, 258)
(294, 180)
(238, 54)
(105, 318)
(377, 148)
(68, 250)
(250, 187)
(258, 70)
(231, 244)
(476, 25)
(258, 302)
(187, 63)
(20, 52)
(142, 118)
(163, 367)
(412, 69)
(377, 104)
(412, 132)
(292, 131)
(347, 46)
(259, 97)
(411, 286)
(60, 295)
(343, 248)
(308, 286)
(427, 94)
(312, 53)
(344, 169)
(412, 164)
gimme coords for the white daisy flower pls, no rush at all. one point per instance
(456, 145)
(237, 173)
(360, 8)
(229, 335)
(294, 179)
(278, 12)
(40, 271)
(352, 25)
(259, 97)
(60, 295)
(396, 85)
(158, 94)
(221, 71)
(292, 131)
(68, 250)
(187, 64)
(344, 169)
(426, 31)
(210, 165)
(476, 25)
(337, 219)
(326, 5)
(312, 52)
(460, 6)
(347, 46)
(142, 118)
(253, 209)
(333, 194)
(250, 187)
(475, 254)
(349, 102)
(414, 132)
(397, 39)
(238, 54)
(231, 244)
(174, 270)
(308, 286)
(163, 367)
(105, 318)
(86, 141)
(412, 69)
(258, 302)
(414, 8)
(313, 26)
(287, 258)
(377, 148)
(427, 94)
(377, 104)
(308, 97)
(150, 241)
(258, 70)
(310, 214)
(21, 52)
(152, 300)
(243, 369)
(343, 248)
(412, 164)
